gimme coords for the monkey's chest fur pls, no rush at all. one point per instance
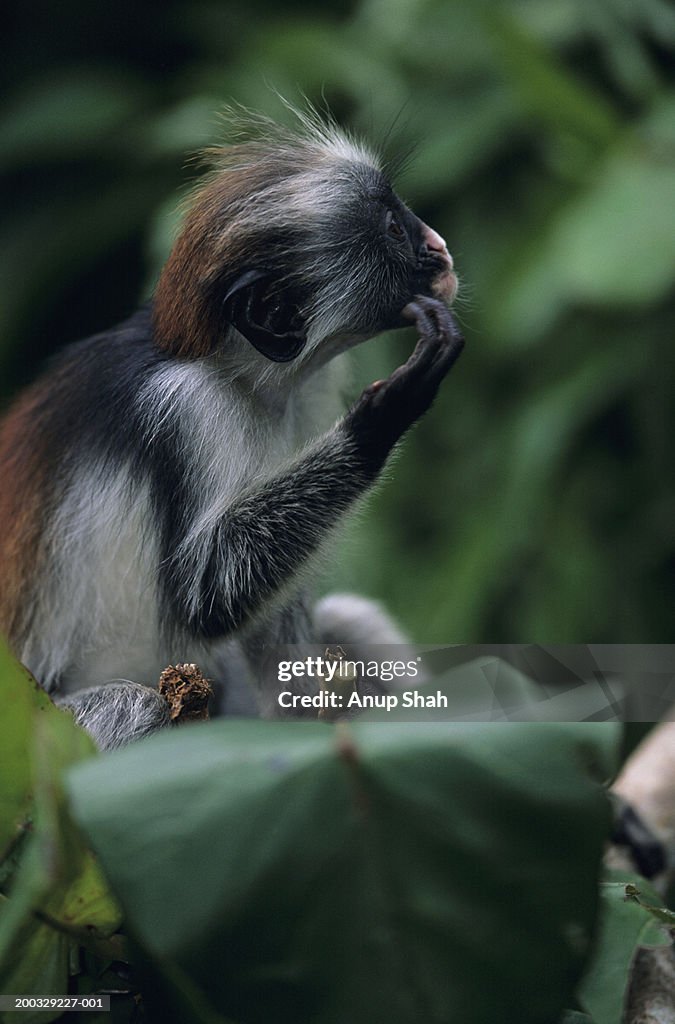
(138, 493)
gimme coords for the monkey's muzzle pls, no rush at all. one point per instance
(444, 287)
(437, 266)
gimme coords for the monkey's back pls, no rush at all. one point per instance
(66, 446)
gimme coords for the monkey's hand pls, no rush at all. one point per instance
(386, 409)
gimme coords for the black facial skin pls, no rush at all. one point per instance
(404, 231)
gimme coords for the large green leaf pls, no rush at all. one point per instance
(376, 872)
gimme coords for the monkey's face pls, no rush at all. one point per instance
(354, 265)
(408, 258)
(300, 244)
(373, 258)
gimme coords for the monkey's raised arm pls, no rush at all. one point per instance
(264, 537)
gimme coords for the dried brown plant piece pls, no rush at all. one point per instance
(187, 693)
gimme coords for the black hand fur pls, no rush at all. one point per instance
(386, 409)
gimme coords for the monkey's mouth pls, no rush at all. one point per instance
(444, 286)
(437, 277)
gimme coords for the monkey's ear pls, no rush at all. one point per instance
(267, 315)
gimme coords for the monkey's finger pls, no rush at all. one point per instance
(424, 303)
(417, 363)
(425, 322)
(438, 311)
(445, 363)
(447, 354)
(421, 362)
(452, 345)
(412, 311)
(432, 320)
(448, 334)
(419, 314)
(444, 353)
(439, 315)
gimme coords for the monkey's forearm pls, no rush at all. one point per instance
(265, 537)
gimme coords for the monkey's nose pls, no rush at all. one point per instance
(436, 243)
(433, 241)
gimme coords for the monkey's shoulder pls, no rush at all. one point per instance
(122, 355)
(88, 393)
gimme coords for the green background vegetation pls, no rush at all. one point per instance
(536, 502)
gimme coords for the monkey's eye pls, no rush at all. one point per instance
(393, 225)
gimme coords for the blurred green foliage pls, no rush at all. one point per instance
(536, 502)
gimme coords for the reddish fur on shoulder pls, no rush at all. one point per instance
(23, 496)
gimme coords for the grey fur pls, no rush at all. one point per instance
(118, 712)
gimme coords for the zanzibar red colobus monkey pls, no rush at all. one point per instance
(167, 484)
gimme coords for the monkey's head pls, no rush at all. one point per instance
(295, 241)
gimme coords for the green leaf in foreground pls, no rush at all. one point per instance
(396, 872)
(632, 917)
(54, 886)
(22, 703)
(40, 965)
